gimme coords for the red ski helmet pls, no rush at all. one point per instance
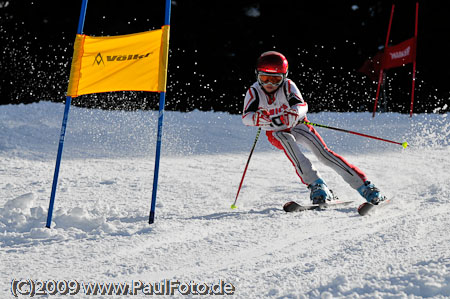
(272, 63)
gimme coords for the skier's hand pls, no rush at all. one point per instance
(290, 117)
(261, 118)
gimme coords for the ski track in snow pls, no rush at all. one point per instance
(100, 230)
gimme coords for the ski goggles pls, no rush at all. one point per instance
(273, 79)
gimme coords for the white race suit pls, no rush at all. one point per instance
(287, 96)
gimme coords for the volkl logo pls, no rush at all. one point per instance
(99, 58)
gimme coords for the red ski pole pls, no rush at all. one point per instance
(404, 144)
(233, 206)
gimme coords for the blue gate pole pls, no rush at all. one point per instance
(63, 129)
(162, 103)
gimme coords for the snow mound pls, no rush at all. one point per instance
(23, 220)
(22, 202)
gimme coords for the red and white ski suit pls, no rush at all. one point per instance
(287, 96)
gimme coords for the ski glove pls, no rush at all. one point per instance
(261, 118)
(290, 117)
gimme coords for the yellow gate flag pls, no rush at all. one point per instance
(115, 63)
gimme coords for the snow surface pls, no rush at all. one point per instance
(100, 231)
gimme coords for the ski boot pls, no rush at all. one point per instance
(320, 193)
(371, 193)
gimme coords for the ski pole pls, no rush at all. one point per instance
(404, 144)
(233, 206)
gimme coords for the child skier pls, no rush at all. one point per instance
(275, 104)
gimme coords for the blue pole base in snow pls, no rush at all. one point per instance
(152, 217)
(58, 161)
(162, 101)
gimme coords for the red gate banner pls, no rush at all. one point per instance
(399, 55)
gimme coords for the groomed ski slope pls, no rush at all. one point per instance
(100, 231)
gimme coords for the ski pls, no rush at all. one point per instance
(367, 207)
(292, 206)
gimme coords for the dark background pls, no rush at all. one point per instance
(214, 46)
